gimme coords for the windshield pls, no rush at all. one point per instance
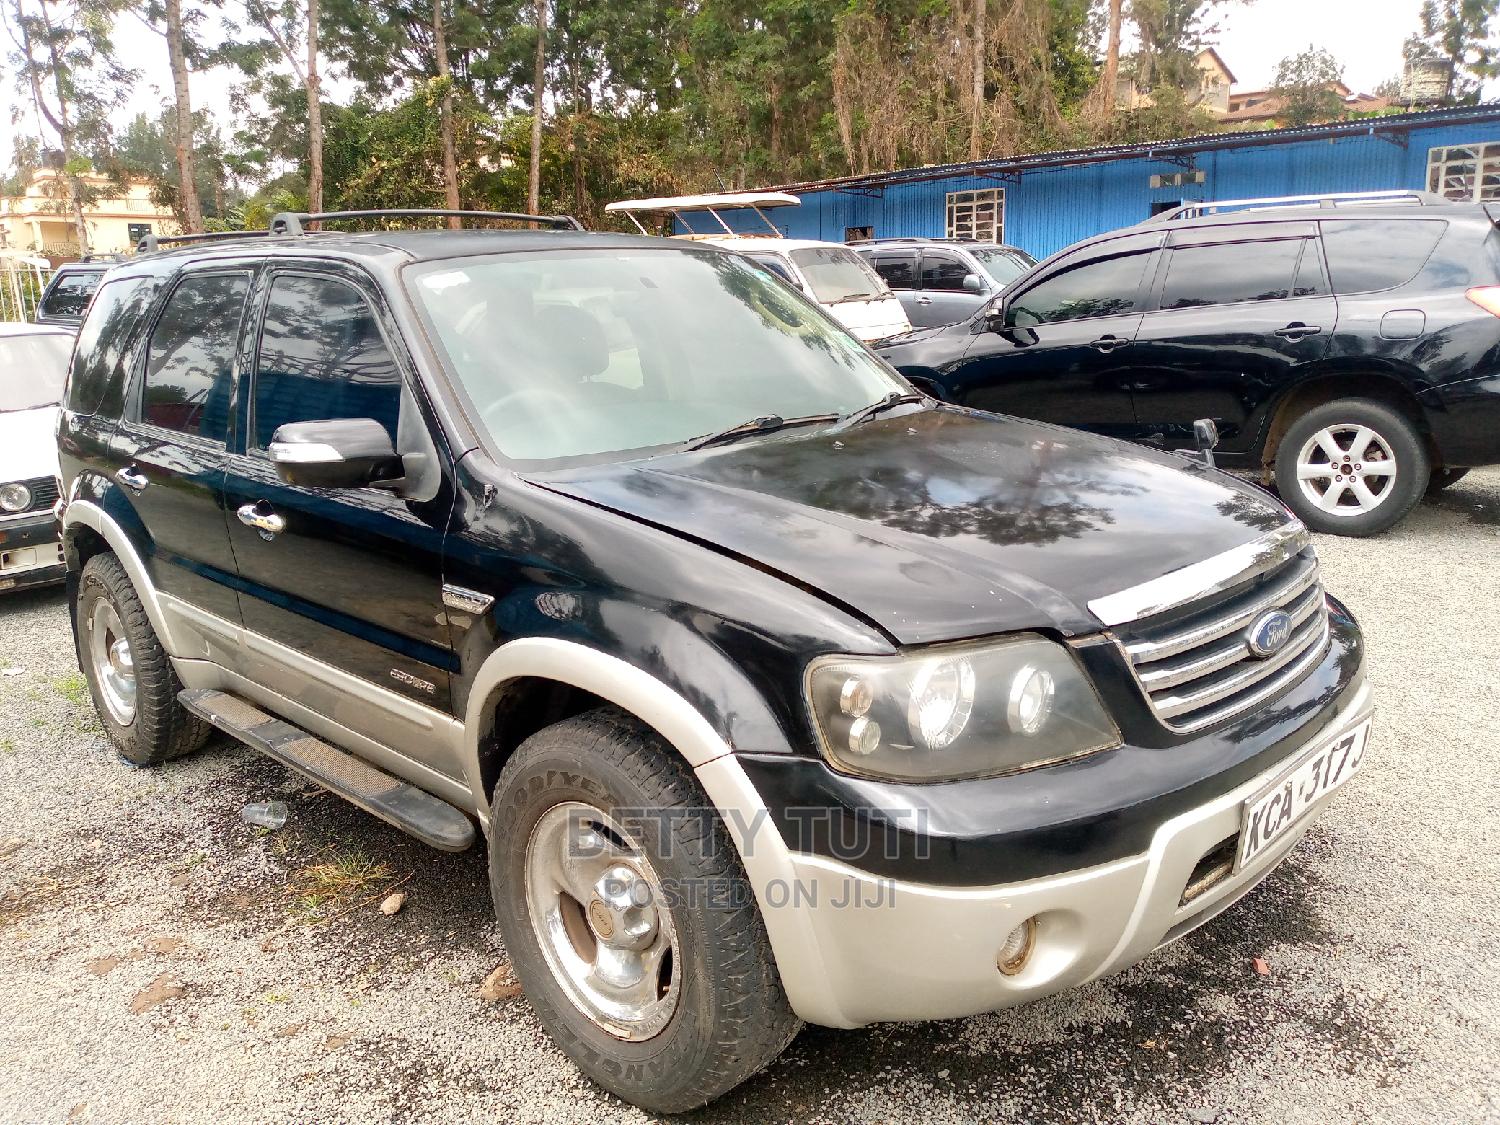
(33, 369)
(836, 274)
(1004, 265)
(69, 294)
(582, 355)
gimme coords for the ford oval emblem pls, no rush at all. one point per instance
(1269, 633)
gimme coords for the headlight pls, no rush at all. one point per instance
(14, 497)
(973, 710)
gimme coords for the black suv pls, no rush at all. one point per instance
(778, 691)
(1348, 350)
(67, 295)
(943, 280)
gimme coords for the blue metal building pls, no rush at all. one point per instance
(1046, 201)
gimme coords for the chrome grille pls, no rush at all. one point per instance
(1195, 664)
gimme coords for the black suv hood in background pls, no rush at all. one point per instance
(942, 524)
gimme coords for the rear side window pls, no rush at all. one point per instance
(102, 358)
(1365, 255)
(190, 361)
(69, 294)
(322, 356)
(1102, 287)
(899, 270)
(1229, 273)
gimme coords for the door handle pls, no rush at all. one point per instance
(924, 300)
(260, 517)
(132, 478)
(1108, 343)
(1297, 331)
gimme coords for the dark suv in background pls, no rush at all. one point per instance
(67, 295)
(1347, 349)
(942, 280)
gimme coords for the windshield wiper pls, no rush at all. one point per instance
(879, 406)
(764, 424)
(853, 297)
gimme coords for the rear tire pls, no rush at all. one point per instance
(1444, 478)
(128, 672)
(1351, 467)
(712, 1011)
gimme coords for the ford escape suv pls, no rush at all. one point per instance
(1348, 349)
(775, 690)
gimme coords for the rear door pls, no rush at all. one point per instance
(1239, 311)
(1063, 353)
(943, 297)
(172, 442)
(354, 578)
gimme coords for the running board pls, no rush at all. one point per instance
(413, 810)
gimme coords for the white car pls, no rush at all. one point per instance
(33, 369)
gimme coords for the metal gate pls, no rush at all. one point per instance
(22, 279)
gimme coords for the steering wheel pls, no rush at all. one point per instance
(495, 414)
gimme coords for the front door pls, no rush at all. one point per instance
(1239, 310)
(1063, 351)
(943, 297)
(353, 579)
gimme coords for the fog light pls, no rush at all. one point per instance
(1017, 949)
(864, 736)
(1030, 701)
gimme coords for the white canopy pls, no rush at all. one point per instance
(723, 201)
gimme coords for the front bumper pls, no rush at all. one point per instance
(30, 551)
(893, 950)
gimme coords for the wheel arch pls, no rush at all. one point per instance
(89, 530)
(1376, 386)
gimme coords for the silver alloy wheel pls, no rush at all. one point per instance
(599, 915)
(1346, 469)
(114, 666)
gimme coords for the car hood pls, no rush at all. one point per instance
(940, 524)
(28, 444)
(871, 320)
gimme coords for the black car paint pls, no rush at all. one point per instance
(1421, 343)
(723, 572)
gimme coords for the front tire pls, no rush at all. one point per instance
(1351, 467)
(628, 917)
(128, 672)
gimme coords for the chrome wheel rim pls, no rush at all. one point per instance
(1346, 470)
(114, 664)
(602, 922)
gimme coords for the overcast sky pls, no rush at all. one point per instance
(1253, 35)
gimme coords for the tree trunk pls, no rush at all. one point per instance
(976, 115)
(538, 89)
(314, 114)
(1103, 98)
(192, 210)
(64, 129)
(450, 159)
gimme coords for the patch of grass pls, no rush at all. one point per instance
(72, 687)
(7, 746)
(320, 888)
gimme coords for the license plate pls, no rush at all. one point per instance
(1275, 810)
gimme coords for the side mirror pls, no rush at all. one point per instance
(994, 316)
(1205, 438)
(335, 453)
(972, 284)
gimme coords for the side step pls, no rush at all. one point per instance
(413, 810)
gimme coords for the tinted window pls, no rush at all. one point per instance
(1369, 254)
(943, 271)
(104, 345)
(1101, 287)
(1230, 272)
(69, 294)
(190, 361)
(777, 265)
(1312, 278)
(322, 356)
(32, 369)
(898, 270)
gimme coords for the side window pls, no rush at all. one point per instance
(1312, 278)
(1100, 287)
(1228, 273)
(776, 265)
(69, 293)
(322, 356)
(1365, 255)
(898, 270)
(190, 360)
(97, 382)
(943, 271)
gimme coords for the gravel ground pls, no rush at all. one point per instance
(162, 961)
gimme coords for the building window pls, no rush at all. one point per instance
(137, 231)
(977, 214)
(1469, 173)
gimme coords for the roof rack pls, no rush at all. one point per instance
(292, 222)
(154, 242)
(1327, 199)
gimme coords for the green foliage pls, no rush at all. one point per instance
(1305, 82)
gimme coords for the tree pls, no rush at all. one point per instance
(1171, 33)
(1306, 83)
(445, 79)
(1458, 32)
(538, 92)
(282, 21)
(192, 210)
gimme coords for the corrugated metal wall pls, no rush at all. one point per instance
(1052, 208)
